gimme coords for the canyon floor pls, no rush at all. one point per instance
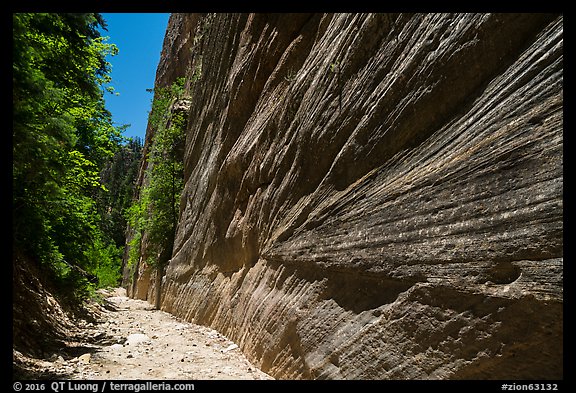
(132, 340)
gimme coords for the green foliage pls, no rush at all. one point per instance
(163, 98)
(62, 137)
(103, 259)
(118, 178)
(155, 213)
(134, 247)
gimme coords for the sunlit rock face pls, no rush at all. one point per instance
(372, 196)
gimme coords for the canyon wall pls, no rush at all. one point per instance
(372, 196)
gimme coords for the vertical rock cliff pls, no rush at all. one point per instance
(371, 196)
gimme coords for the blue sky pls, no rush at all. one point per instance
(139, 38)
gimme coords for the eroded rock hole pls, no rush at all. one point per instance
(504, 273)
(358, 293)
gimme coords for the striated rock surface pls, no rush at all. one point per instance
(372, 196)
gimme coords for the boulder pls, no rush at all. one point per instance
(137, 339)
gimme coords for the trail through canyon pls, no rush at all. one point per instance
(132, 340)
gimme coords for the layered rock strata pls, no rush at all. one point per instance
(372, 196)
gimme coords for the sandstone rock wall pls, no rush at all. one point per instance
(373, 196)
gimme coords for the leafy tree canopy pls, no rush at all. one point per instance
(63, 137)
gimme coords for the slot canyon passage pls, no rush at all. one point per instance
(367, 196)
(370, 196)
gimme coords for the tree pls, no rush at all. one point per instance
(155, 213)
(62, 135)
(118, 177)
